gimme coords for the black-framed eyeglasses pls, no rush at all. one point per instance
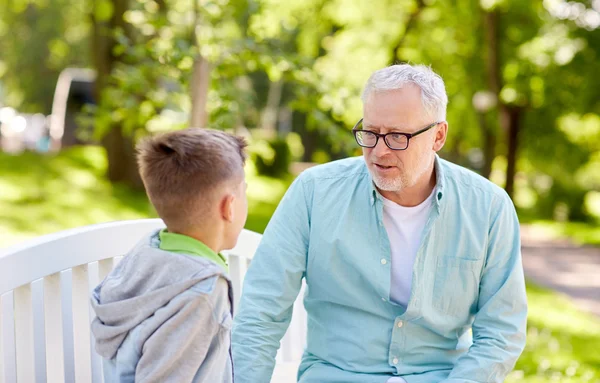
(393, 140)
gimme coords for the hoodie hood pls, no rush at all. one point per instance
(145, 280)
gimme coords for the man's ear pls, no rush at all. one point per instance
(226, 207)
(440, 136)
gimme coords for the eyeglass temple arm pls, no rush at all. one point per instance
(411, 135)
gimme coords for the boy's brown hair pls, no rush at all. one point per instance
(183, 169)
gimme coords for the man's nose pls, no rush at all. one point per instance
(381, 149)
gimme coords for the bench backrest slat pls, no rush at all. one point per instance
(24, 334)
(53, 321)
(46, 335)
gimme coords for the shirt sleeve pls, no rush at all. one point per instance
(271, 286)
(499, 328)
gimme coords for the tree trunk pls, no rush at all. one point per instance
(199, 89)
(122, 165)
(120, 151)
(310, 138)
(514, 125)
(489, 145)
(200, 82)
(493, 53)
(494, 79)
(509, 116)
(271, 111)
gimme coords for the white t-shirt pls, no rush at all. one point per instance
(404, 226)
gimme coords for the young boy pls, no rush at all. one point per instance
(164, 313)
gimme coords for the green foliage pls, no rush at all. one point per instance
(323, 52)
(39, 38)
(103, 10)
(272, 157)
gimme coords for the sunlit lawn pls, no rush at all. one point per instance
(43, 194)
(578, 232)
(563, 344)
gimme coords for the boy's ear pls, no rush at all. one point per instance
(226, 207)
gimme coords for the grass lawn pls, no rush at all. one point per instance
(43, 194)
(563, 343)
(579, 232)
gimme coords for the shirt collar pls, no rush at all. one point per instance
(439, 184)
(182, 244)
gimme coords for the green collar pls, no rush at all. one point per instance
(182, 244)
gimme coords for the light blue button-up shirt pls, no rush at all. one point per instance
(329, 230)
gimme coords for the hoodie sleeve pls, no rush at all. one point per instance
(176, 350)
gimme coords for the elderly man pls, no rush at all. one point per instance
(412, 264)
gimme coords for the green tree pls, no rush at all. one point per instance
(38, 39)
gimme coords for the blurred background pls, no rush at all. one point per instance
(82, 80)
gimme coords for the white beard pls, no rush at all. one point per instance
(389, 184)
(403, 181)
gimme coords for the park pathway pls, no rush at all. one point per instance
(563, 266)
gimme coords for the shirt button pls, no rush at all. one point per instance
(400, 324)
(383, 261)
(395, 361)
(383, 299)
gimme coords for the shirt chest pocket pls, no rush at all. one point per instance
(456, 286)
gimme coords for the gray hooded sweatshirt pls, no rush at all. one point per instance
(164, 317)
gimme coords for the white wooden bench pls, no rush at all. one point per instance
(45, 309)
